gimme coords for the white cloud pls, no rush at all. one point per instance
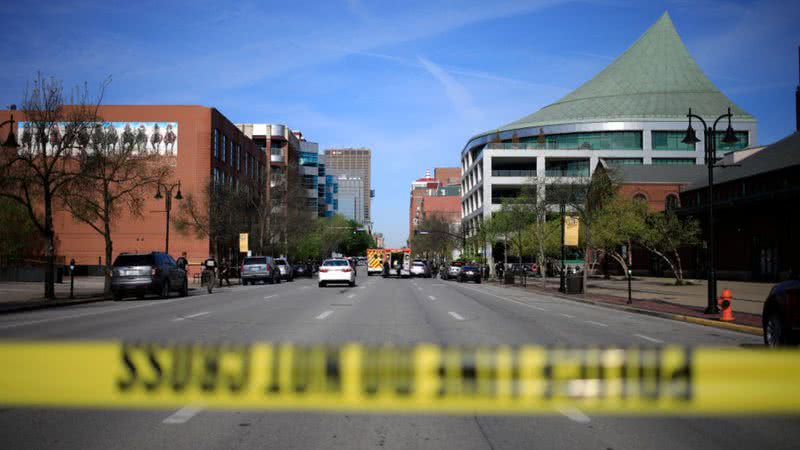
(455, 91)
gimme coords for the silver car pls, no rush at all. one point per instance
(260, 268)
(453, 271)
(286, 270)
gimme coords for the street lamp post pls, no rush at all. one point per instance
(11, 141)
(563, 286)
(168, 204)
(710, 147)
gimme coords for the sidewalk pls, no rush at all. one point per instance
(20, 296)
(660, 296)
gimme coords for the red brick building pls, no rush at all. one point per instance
(440, 192)
(206, 146)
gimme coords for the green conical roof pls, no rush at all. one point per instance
(655, 78)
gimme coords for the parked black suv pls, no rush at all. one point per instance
(139, 274)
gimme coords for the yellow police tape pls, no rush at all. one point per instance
(420, 379)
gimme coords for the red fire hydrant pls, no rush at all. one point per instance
(724, 303)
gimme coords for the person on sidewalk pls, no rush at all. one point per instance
(182, 261)
(225, 272)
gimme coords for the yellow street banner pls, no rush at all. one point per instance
(389, 379)
(571, 228)
(243, 243)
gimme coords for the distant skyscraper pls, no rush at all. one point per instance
(351, 198)
(352, 163)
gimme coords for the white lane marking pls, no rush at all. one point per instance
(305, 287)
(568, 316)
(539, 308)
(324, 315)
(191, 316)
(94, 313)
(270, 296)
(183, 415)
(455, 315)
(419, 287)
(599, 324)
(575, 415)
(432, 297)
(351, 295)
(648, 338)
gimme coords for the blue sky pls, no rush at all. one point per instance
(413, 80)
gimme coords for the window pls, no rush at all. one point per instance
(501, 168)
(233, 155)
(598, 140)
(672, 202)
(238, 157)
(640, 198)
(742, 136)
(308, 159)
(309, 181)
(224, 146)
(671, 141)
(567, 168)
(246, 164)
(215, 143)
(673, 161)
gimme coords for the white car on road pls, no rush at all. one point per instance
(336, 271)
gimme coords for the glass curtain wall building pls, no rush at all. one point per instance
(633, 112)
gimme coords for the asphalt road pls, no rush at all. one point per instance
(376, 311)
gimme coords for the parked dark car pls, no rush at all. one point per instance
(260, 268)
(781, 314)
(303, 270)
(470, 273)
(139, 274)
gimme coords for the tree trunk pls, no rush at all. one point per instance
(679, 273)
(585, 268)
(675, 271)
(49, 282)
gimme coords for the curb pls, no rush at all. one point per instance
(679, 317)
(45, 305)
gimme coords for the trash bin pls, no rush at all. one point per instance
(574, 284)
(59, 275)
(508, 277)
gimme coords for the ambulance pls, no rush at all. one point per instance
(398, 257)
(375, 261)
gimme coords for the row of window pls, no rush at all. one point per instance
(671, 202)
(621, 140)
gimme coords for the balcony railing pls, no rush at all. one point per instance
(513, 173)
(533, 146)
(567, 172)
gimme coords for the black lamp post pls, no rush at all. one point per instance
(562, 276)
(710, 143)
(168, 204)
(11, 141)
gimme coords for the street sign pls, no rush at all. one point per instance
(243, 242)
(571, 228)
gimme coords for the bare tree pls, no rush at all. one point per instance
(54, 141)
(219, 213)
(113, 178)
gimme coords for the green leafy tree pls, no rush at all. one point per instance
(621, 222)
(666, 234)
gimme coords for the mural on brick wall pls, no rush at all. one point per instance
(145, 138)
